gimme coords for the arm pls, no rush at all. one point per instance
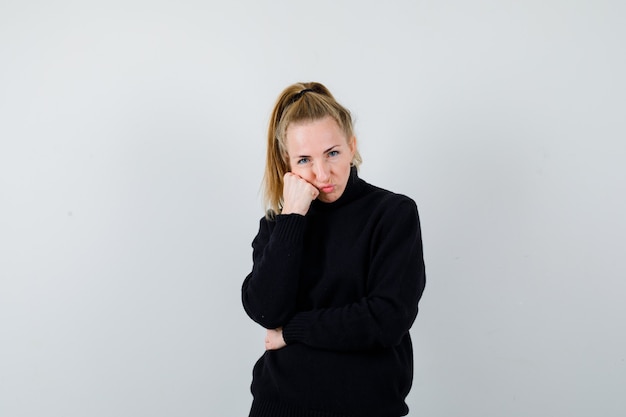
(396, 281)
(269, 292)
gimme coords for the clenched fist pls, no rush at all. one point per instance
(297, 194)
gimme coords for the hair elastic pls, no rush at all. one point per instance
(300, 94)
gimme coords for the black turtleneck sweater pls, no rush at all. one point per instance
(344, 282)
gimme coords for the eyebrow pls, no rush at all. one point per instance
(326, 151)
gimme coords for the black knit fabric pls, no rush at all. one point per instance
(344, 282)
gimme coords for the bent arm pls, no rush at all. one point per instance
(396, 281)
(269, 292)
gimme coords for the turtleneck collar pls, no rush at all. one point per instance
(353, 190)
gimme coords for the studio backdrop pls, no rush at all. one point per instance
(132, 140)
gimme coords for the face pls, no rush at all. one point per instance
(319, 152)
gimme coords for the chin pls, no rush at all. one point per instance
(329, 199)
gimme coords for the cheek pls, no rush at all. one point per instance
(300, 171)
(343, 165)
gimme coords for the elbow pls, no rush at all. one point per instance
(266, 315)
(394, 324)
(269, 320)
(394, 335)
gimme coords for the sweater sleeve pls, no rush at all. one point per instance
(269, 292)
(396, 280)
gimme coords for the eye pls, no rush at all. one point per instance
(333, 153)
(302, 161)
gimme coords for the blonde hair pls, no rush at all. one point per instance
(299, 102)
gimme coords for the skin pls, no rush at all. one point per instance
(319, 156)
(274, 339)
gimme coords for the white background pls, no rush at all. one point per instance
(132, 139)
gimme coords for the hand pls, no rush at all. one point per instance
(274, 339)
(297, 194)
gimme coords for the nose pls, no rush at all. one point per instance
(322, 172)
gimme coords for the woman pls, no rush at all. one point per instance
(337, 272)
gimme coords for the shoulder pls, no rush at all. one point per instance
(393, 218)
(386, 200)
(386, 210)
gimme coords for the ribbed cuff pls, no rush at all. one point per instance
(289, 227)
(298, 328)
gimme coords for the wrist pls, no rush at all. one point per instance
(294, 210)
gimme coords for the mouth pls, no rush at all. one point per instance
(327, 189)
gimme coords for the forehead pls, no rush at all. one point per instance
(314, 136)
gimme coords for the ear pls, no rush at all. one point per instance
(352, 145)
